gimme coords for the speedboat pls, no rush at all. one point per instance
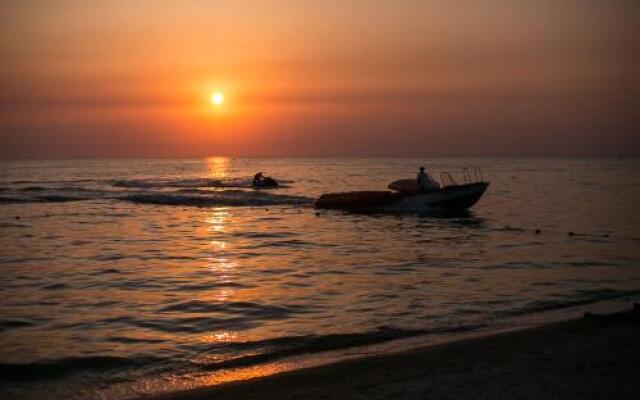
(406, 196)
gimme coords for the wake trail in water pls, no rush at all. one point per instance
(236, 198)
(182, 183)
(236, 192)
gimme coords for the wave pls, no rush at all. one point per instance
(45, 198)
(579, 298)
(59, 368)
(180, 197)
(244, 308)
(6, 324)
(182, 183)
(198, 316)
(33, 189)
(200, 192)
(274, 349)
(238, 354)
(222, 198)
(53, 194)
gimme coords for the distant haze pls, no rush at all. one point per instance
(319, 78)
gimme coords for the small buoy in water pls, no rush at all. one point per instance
(571, 234)
(317, 214)
(17, 217)
(537, 231)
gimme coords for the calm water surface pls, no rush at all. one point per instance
(119, 276)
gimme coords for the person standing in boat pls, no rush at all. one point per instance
(424, 183)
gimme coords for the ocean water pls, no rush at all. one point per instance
(126, 277)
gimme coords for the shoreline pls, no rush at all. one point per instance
(596, 356)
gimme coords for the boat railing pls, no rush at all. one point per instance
(472, 175)
(447, 180)
(469, 175)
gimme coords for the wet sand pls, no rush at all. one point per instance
(594, 357)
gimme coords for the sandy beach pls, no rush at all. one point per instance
(594, 357)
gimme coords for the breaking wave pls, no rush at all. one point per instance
(579, 298)
(220, 356)
(56, 369)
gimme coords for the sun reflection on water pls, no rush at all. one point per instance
(219, 264)
(218, 219)
(218, 167)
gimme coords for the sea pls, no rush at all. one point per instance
(124, 278)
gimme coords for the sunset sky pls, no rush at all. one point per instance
(319, 78)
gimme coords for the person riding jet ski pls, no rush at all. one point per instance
(259, 180)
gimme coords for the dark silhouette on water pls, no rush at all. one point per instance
(259, 180)
(425, 183)
(417, 196)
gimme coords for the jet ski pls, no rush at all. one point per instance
(406, 196)
(265, 182)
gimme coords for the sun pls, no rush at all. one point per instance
(217, 98)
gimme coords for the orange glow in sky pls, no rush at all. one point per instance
(318, 78)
